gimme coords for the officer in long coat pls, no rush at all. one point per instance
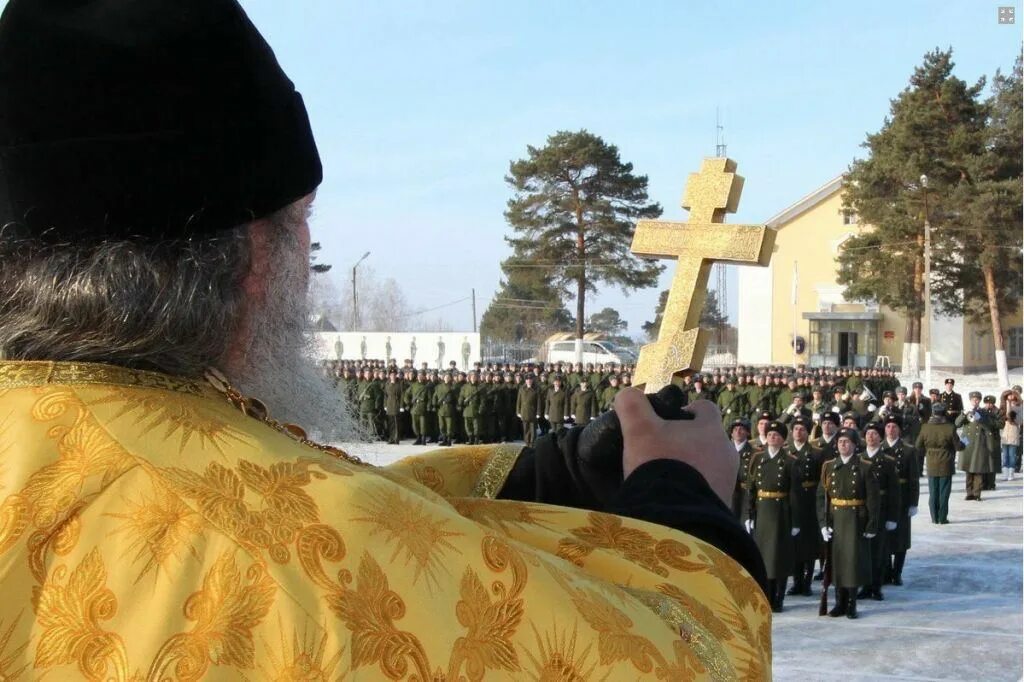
(807, 474)
(883, 468)
(470, 398)
(739, 432)
(393, 406)
(773, 509)
(976, 460)
(849, 512)
(909, 478)
(445, 402)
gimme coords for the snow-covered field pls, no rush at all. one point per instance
(958, 615)
(987, 383)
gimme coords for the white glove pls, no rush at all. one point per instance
(791, 410)
(519, 415)
(547, 416)
(871, 408)
(816, 417)
(869, 535)
(835, 408)
(912, 512)
(749, 525)
(401, 409)
(573, 417)
(729, 411)
(794, 532)
(826, 534)
(890, 525)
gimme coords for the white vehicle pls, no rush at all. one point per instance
(596, 352)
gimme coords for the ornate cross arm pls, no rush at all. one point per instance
(696, 245)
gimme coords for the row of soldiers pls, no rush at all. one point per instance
(850, 492)
(845, 497)
(472, 407)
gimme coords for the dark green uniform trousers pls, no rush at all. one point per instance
(939, 488)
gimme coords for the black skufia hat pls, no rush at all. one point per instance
(153, 118)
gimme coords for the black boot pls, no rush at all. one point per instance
(808, 572)
(851, 609)
(897, 576)
(864, 593)
(780, 596)
(798, 577)
(842, 598)
(876, 593)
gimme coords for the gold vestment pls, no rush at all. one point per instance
(151, 530)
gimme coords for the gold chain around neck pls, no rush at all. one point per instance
(253, 407)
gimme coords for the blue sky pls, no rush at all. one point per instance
(418, 107)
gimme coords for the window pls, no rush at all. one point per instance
(1015, 347)
(849, 217)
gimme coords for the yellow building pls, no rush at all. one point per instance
(830, 330)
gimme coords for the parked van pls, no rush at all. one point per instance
(596, 352)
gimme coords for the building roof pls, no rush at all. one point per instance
(807, 203)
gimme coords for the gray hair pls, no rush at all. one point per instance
(173, 307)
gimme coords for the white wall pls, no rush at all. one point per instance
(376, 347)
(754, 315)
(947, 342)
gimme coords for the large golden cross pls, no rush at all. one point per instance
(697, 245)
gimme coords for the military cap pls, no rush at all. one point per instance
(893, 419)
(730, 379)
(802, 421)
(831, 417)
(888, 394)
(938, 409)
(1017, 388)
(777, 427)
(838, 389)
(901, 390)
(877, 427)
(990, 400)
(949, 381)
(738, 422)
(764, 415)
(850, 434)
(974, 394)
(850, 414)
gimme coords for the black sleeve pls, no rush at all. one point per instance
(665, 492)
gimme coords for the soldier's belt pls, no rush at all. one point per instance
(836, 502)
(810, 484)
(769, 495)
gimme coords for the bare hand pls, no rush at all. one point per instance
(701, 443)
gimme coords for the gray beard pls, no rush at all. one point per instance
(280, 368)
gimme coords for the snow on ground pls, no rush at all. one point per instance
(958, 615)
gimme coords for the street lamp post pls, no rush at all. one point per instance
(355, 306)
(926, 338)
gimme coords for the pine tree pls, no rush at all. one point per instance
(574, 212)
(935, 126)
(982, 277)
(318, 268)
(526, 307)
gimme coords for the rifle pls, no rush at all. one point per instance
(826, 580)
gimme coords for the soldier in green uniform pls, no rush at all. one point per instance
(556, 405)
(849, 512)
(445, 405)
(370, 399)
(417, 401)
(760, 398)
(608, 394)
(732, 403)
(909, 414)
(939, 442)
(739, 432)
(976, 459)
(772, 510)
(584, 404)
(883, 468)
(807, 474)
(818, 407)
(527, 409)
(995, 423)
(909, 477)
(469, 405)
(542, 396)
(393, 406)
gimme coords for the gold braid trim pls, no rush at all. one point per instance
(705, 646)
(496, 470)
(23, 374)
